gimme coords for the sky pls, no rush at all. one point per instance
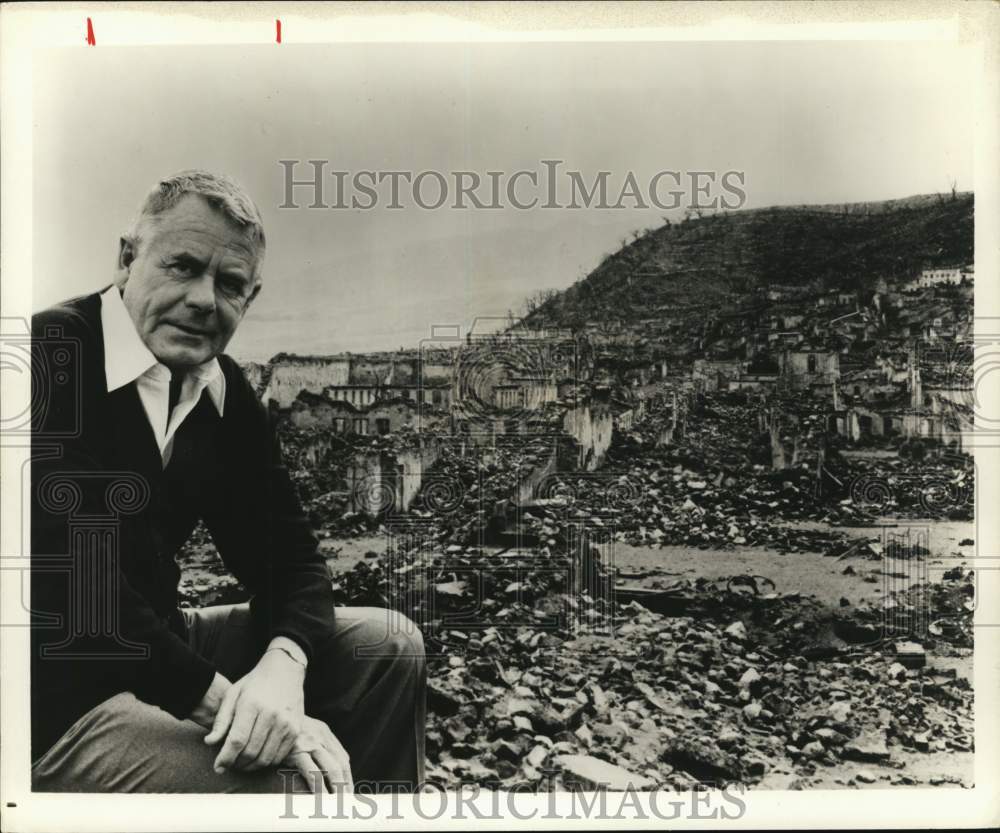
(805, 122)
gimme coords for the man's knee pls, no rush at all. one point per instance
(370, 650)
(374, 633)
(126, 745)
(403, 639)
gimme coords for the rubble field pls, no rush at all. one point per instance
(683, 616)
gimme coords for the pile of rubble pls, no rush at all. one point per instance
(935, 487)
(536, 685)
(944, 608)
(657, 500)
(708, 489)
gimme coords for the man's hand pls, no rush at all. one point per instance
(261, 715)
(317, 749)
(204, 713)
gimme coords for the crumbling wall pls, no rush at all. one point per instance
(962, 396)
(784, 432)
(387, 368)
(715, 375)
(381, 481)
(414, 461)
(666, 436)
(592, 426)
(367, 489)
(529, 482)
(254, 373)
(801, 368)
(292, 374)
(433, 372)
(400, 413)
(304, 415)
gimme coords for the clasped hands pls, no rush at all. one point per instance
(260, 722)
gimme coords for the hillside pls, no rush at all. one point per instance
(718, 258)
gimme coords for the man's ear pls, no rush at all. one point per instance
(126, 256)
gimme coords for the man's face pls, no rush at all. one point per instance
(189, 282)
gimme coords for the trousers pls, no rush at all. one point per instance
(366, 681)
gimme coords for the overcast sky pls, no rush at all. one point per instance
(807, 123)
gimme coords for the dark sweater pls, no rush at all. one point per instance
(107, 521)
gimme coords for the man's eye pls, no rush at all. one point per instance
(232, 286)
(182, 268)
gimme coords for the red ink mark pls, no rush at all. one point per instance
(91, 40)
(278, 26)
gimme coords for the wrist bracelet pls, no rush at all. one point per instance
(287, 653)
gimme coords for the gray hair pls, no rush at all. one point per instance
(220, 191)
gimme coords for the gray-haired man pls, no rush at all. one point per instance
(153, 698)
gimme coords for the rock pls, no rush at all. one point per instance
(522, 723)
(517, 705)
(813, 749)
(751, 710)
(440, 700)
(536, 757)
(729, 737)
(750, 676)
(840, 711)
(506, 769)
(865, 777)
(737, 630)
(509, 750)
(829, 736)
(457, 729)
(703, 761)
(588, 773)
(474, 770)
(896, 671)
(453, 589)
(867, 748)
(910, 654)
(599, 698)
(612, 734)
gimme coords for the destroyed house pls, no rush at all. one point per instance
(799, 369)
(715, 375)
(871, 385)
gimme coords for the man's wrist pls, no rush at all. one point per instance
(289, 648)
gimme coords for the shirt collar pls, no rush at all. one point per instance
(126, 357)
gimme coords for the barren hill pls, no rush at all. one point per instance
(717, 258)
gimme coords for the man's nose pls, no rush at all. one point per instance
(201, 292)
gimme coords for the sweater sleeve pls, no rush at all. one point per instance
(262, 532)
(92, 631)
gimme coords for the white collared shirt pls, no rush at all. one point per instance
(127, 359)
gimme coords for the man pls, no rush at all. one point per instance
(129, 693)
